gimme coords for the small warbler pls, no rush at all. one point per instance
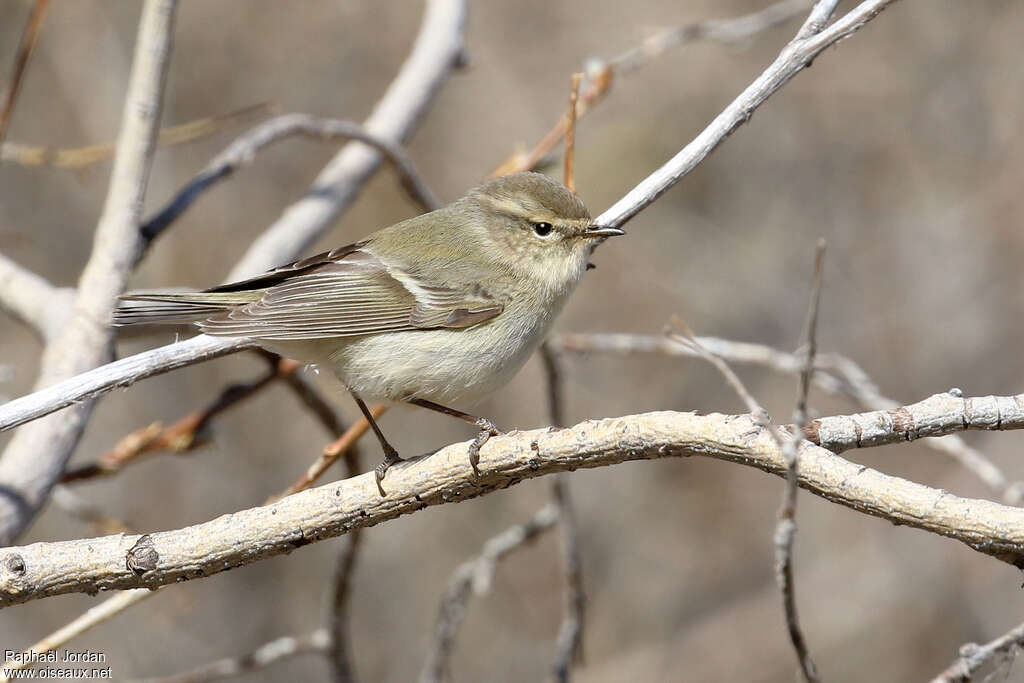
(438, 309)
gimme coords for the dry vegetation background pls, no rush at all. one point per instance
(900, 147)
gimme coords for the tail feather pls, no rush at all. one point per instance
(163, 307)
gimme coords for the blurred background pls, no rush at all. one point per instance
(900, 147)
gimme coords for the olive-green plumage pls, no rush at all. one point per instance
(443, 307)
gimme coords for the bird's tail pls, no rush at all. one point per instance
(175, 308)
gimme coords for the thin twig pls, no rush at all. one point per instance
(277, 650)
(785, 528)
(569, 642)
(25, 47)
(437, 51)
(475, 576)
(243, 151)
(94, 616)
(181, 437)
(87, 511)
(314, 402)
(833, 373)
(80, 157)
(32, 300)
(333, 451)
(600, 74)
(974, 657)
(339, 617)
(36, 456)
(570, 133)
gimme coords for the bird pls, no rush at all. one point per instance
(434, 311)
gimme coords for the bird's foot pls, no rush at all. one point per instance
(390, 458)
(487, 430)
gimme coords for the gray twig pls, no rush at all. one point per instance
(785, 528)
(35, 457)
(973, 656)
(243, 150)
(317, 642)
(32, 300)
(476, 576)
(569, 642)
(338, 619)
(833, 373)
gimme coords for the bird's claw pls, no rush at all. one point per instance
(487, 430)
(390, 458)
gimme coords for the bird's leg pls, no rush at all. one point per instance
(487, 428)
(390, 454)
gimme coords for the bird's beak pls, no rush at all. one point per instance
(603, 231)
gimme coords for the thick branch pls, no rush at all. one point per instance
(35, 458)
(32, 300)
(44, 569)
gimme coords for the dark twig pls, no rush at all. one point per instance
(25, 47)
(184, 435)
(476, 576)
(338, 620)
(785, 529)
(973, 656)
(242, 151)
(341, 446)
(569, 642)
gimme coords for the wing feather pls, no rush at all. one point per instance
(347, 292)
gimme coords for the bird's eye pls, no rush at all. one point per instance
(542, 229)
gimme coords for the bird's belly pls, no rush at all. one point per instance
(445, 366)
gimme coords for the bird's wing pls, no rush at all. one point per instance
(347, 292)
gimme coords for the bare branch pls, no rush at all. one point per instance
(36, 456)
(817, 19)
(121, 373)
(340, 652)
(796, 56)
(316, 211)
(44, 569)
(973, 656)
(183, 435)
(21, 295)
(317, 642)
(242, 151)
(94, 616)
(570, 133)
(80, 157)
(438, 49)
(569, 642)
(600, 74)
(476, 576)
(785, 528)
(25, 47)
(833, 373)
